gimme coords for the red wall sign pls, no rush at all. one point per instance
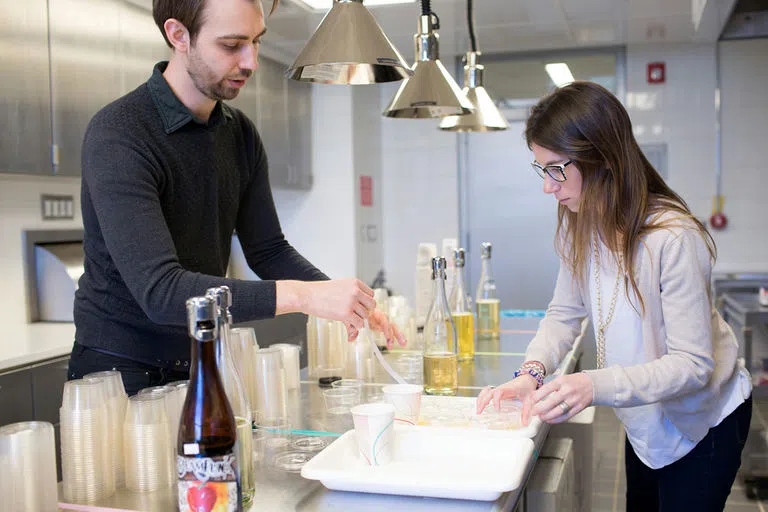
(656, 73)
(366, 191)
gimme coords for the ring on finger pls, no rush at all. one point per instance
(565, 407)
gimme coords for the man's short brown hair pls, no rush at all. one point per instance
(188, 12)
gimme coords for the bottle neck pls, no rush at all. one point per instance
(459, 303)
(440, 301)
(486, 272)
(204, 371)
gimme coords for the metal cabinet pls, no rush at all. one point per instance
(15, 397)
(47, 382)
(281, 110)
(34, 393)
(85, 73)
(25, 110)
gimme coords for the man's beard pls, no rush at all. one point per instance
(204, 80)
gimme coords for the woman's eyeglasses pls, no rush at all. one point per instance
(554, 171)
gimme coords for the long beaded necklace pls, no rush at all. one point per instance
(603, 325)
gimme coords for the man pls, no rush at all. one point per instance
(169, 172)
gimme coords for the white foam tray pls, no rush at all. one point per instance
(452, 412)
(438, 463)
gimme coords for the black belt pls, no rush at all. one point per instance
(178, 365)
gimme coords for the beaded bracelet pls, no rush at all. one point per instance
(534, 365)
(533, 373)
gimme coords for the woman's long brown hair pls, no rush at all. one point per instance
(622, 194)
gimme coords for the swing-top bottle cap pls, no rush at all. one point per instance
(459, 256)
(438, 267)
(486, 247)
(202, 313)
(222, 295)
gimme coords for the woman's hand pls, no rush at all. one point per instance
(560, 399)
(520, 388)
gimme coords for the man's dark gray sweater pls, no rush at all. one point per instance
(162, 194)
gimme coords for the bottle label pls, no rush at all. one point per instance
(208, 484)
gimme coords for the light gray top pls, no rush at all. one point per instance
(691, 352)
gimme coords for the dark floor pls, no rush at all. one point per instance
(610, 481)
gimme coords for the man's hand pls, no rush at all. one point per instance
(347, 300)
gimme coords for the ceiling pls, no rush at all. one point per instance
(506, 26)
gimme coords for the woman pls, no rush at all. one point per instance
(637, 262)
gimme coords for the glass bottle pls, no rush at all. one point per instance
(206, 460)
(486, 300)
(235, 390)
(461, 311)
(441, 375)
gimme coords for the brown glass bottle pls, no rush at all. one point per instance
(206, 450)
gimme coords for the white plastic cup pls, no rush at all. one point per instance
(406, 399)
(375, 432)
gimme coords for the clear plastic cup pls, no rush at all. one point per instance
(312, 444)
(115, 387)
(340, 400)
(356, 384)
(291, 363)
(28, 467)
(271, 437)
(83, 394)
(244, 347)
(291, 461)
(87, 458)
(146, 409)
(270, 383)
(147, 444)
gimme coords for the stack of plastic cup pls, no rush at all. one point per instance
(169, 394)
(28, 467)
(291, 364)
(244, 345)
(181, 387)
(85, 454)
(331, 337)
(117, 401)
(312, 347)
(270, 383)
(149, 464)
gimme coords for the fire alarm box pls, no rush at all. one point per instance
(656, 73)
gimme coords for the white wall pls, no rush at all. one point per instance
(368, 162)
(320, 223)
(19, 211)
(420, 187)
(682, 114)
(743, 245)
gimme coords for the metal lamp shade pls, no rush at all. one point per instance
(349, 48)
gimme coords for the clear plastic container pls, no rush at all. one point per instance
(340, 400)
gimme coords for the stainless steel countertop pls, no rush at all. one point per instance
(278, 491)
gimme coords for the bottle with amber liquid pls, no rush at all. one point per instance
(461, 311)
(441, 372)
(235, 390)
(487, 301)
(206, 461)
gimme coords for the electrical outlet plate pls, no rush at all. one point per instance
(55, 207)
